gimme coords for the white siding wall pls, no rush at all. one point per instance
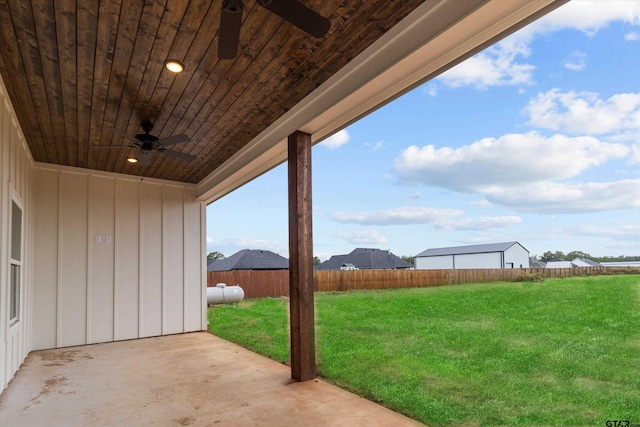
(447, 262)
(488, 260)
(117, 258)
(16, 183)
(518, 256)
(444, 262)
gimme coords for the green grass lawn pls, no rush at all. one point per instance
(559, 352)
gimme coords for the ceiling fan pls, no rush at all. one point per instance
(290, 10)
(148, 143)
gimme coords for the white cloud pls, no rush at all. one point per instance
(484, 203)
(509, 161)
(431, 89)
(526, 172)
(584, 112)
(552, 197)
(336, 140)
(441, 219)
(503, 65)
(496, 66)
(620, 232)
(632, 36)
(398, 216)
(586, 16)
(482, 223)
(363, 237)
(375, 146)
(577, 61)
(634, 158)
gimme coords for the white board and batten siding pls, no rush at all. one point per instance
(117, 258)
(16, 175)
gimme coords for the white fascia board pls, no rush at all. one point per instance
(113, 175)
(433, 38)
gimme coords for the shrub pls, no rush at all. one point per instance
(529, 277)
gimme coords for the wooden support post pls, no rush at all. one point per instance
(303, 348)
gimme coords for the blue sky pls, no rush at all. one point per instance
(536, 139)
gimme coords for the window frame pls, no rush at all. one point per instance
(16, 265)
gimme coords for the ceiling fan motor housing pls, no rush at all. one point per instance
(148, 141)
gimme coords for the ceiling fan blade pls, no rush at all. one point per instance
(172, 140)
(179, 155)
(144, 158)
(229, 33)
(122, 134)
(108, 147)
(299, 15)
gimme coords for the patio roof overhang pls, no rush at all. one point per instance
(435, 37)
(75, 70)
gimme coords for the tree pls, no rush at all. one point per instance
(316, 261)
(409, 259)
(548, 256)
(213, 256)
(577, 254)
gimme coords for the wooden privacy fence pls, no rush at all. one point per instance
(275, 283)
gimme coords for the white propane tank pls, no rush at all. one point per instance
(223, 294)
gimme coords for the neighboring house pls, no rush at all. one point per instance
(559, 264)
(584, 262)
(577, 262)
(536, 263)
(494, 255)
(250, 259)
(365, 259)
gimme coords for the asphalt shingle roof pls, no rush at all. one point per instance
(535, 263)
(365, 259)
(250, 259)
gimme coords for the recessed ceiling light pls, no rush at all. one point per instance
(174, 66)
(132, 159)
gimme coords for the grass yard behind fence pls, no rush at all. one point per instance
(559, 352)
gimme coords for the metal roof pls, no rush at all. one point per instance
(559, 264)
(472, 249)
(584, 262)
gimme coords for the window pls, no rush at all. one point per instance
(16, 262)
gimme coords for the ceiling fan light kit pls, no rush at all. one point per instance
(146, 143)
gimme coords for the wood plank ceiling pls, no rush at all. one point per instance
(76, 68)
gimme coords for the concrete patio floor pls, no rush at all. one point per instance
(194, 379)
